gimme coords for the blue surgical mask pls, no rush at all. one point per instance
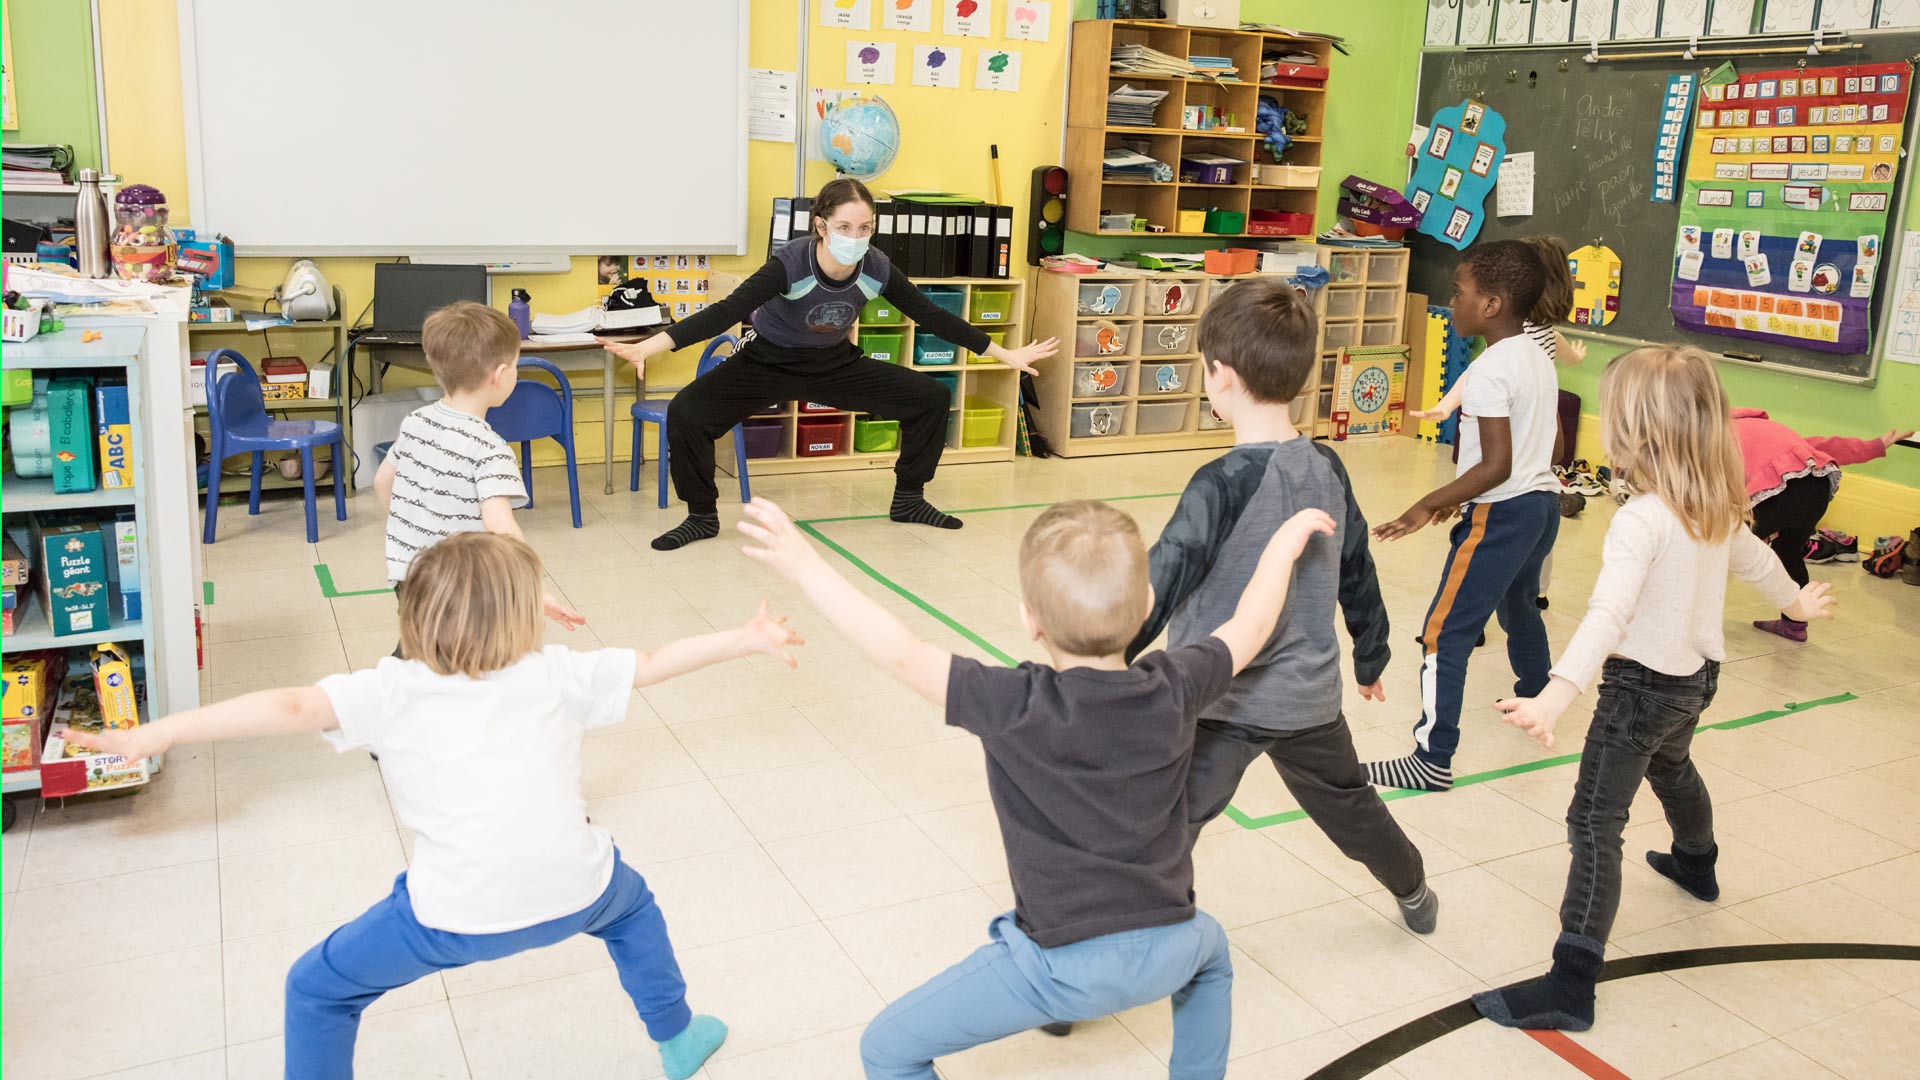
(848, 250)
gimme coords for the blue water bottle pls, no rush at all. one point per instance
(521, 312)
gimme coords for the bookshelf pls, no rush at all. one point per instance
(1091, 80)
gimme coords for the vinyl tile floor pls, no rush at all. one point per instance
(821, 843)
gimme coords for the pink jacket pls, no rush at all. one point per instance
(1774, 454)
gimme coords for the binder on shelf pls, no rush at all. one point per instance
(917, 240)
(942, 265)
(802, 217)
(1002, 241)
(883, 227)
(781, 228)
(980, 249)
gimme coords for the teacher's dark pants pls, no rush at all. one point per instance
(760, 374)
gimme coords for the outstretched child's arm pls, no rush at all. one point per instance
(1495, 465)
(289, 711)
(1441, 409)
(763, 633)
(1247, 632)
(1854, 451)
(496, 516)
(884, 638)
(1185, 551)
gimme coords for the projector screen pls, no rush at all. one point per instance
(423, 127)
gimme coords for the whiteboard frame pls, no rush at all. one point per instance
(196, 173)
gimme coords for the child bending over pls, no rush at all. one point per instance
(1087, 767)
(479, 711)
(1653, 635)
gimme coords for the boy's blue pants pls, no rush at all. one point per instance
(387, 948)
(1011, 985)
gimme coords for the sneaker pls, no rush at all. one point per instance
(1822, 550)
(1910, 568)
(1888, 552)
(1571, 503)
(1846, 541)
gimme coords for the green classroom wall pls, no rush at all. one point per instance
(53, 77)
(1371, 92)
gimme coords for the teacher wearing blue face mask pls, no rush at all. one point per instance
(800, 309)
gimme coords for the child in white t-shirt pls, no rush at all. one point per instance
(478, 735)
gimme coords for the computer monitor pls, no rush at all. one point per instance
(404, 294)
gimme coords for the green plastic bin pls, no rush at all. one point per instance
(886, 346)
(876, 436)
(881, 312)
(998, 337)
(989, 305)
(980, 422)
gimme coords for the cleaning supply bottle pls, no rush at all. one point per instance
(521, 312)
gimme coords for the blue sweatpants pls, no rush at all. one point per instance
(1493, 569)
(1012, 985)
(387, 948)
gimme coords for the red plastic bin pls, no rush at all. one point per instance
(822, 438)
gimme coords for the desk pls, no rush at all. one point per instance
(568, 357)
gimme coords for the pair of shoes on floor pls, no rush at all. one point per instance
(1889, 552)
(1580, 479)
(1827, 546)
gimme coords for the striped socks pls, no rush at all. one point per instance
(697, 527)
(910, 507)
(1411, 772)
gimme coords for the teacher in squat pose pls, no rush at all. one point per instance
(801, 307)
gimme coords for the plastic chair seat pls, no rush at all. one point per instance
(283, 435)
(654, 411)
(238, 423)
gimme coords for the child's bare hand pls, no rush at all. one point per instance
(780, 544)
(1576, 349)
(1892, 437)
(1373, 691)
(1022, 359)
(1290, 539)
(767, 633)
(634, 353)
(1435, 414)
(561, 613)
(1814, 602)
(1416, 518)
(132, 744)
(1530, 716)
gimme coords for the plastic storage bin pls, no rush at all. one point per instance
(1300, 411)
(1106, 297)
(1172, 297)
(1347, 266)
(952, 298)
(1096, 421)
(932, 350)
(880, 311)
(886, 346)
(1099, 378)
(1380, 333)
(763, 438)
(980, 422)
(1167, 339)
(987, 305)
(1100, 339)
(1166, 378)
(1383, 303)
(998, 337)
(1386, 266)
(816, 407)
(1341, 336)
(1210, 420)
(822, 438)
(951, 382)
(778, 408)
(876, 436)
(1341, 304)
(1159, 417)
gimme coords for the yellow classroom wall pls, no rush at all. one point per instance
(945, 140)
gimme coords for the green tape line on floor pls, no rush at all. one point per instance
(325, 577)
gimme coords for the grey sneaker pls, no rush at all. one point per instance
(1421, 910)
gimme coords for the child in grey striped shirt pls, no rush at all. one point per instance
(449, 471)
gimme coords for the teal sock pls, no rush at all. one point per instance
(683, 1054)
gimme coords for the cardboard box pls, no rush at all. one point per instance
(197, 378)
(320, 381)
(30, 680)
(16, 387)
(9, 603)
(70, 423)
(73, 577)
(209, 313)
(283, 369)
(283, 391)
(211, 261)
(66, 769)
(114, 427)
(14, 565)
(123, 567)
(113, 685)
(19, 745)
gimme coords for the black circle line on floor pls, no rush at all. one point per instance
(1383, 1050)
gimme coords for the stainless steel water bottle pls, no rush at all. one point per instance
(90, 226)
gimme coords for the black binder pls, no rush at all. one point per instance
(1002, 241)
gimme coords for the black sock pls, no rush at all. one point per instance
(910, 507)
(1562, 999)
(1057, 1028)
(1693, 873)
(697, 527)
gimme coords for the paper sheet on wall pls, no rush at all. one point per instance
(937, 66)
(914, 15)
(1513, 23)
(1636, 19)
(1898, 14)
(999, 69)
(1846, 14)
(1731, 17)
(1685, 18)
(968, 18)
(1786, 15)
(1029, 20)
(1513, 190)
(847, 14)
(1443, 22)
(1903, 328)
(870, 62)
(770, 107)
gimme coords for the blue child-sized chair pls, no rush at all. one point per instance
(654, 411)
(537, 411)
(239, 424)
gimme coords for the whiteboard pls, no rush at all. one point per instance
(423, 127)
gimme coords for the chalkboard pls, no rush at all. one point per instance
(1592, 129)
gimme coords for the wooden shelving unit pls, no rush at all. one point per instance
(1091, 80)
(986, 382)
(1364, 303)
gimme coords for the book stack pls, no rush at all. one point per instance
(1141, 60)
(284, 378)
(924, 233)
(1127, 107)
(1130, 163)
(1218, 68)
(36, 164)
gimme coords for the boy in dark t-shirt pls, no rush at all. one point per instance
(1087, 762)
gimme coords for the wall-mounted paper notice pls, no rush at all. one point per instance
(1786, 15)
(1903, 334)
(999, 69)
(1846, 14)
(1513, 190)
(915, 15)
(937, 65)
(847, 14)
(1029, 20)
(1896, 14)
(968, 18)
(870, 62)
(770, 106)
(1731, 17)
